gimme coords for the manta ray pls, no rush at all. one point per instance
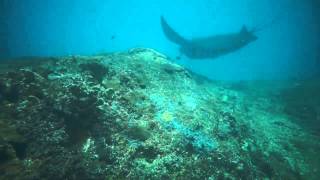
(212, 46)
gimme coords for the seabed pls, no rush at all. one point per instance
(138, 115)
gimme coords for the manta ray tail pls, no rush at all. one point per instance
(171, 34)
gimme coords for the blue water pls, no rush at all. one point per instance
(287, 48)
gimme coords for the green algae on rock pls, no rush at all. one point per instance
(137, 115)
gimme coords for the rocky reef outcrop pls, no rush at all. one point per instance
(137, 115)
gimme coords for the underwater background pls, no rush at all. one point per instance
(105, 89)
(287, 48)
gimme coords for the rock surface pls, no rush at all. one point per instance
(137, 115)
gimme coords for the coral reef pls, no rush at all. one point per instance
(137, 115)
